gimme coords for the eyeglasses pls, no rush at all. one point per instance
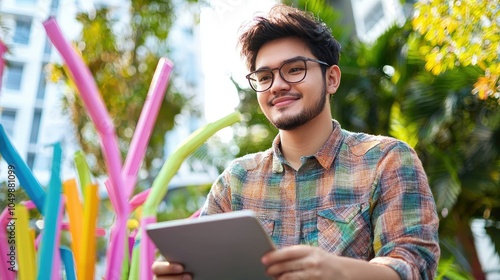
(291, 71)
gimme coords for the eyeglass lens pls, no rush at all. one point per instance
(292, 71)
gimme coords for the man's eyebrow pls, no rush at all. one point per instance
(284, 61)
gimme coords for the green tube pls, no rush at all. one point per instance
(173, 163)
(83, 170)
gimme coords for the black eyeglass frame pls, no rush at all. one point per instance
(304, 59)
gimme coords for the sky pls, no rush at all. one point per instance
(220, 58)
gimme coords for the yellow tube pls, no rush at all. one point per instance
(25, 245)
(88, 249)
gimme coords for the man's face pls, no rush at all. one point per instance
(290, 105)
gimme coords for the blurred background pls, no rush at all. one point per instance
(426, 72)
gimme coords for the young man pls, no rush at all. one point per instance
(337, 204)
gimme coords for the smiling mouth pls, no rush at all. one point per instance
(284, 100)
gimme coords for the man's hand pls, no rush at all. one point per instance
(164, 270)
(305, 262)
(300, 262)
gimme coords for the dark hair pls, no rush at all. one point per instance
(285, 21)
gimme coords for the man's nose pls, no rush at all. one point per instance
(279, 84)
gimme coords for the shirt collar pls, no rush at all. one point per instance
(325, 155)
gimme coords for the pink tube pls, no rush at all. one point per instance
(147, 250)
(81, 75)
(131, 242)
(29, 204)
(116, 248)
(138, 147)
(97, 111)
(145, 124)
(139, 199)
(94, 104)
(38, 239)
(5, 273)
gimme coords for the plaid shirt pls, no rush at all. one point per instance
(360, 196)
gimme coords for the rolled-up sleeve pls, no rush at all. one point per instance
(218, 199)
(404, 217)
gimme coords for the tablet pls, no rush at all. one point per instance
(227, 246)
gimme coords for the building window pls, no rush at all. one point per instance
(30, 161)
(42, 83)
(14, 75)
(22, 31)
(35, 126)
(8, 120)
(373, 17)
(48, 46)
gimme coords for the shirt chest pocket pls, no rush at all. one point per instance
(346, 230)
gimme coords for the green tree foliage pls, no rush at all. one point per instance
(461, 33)
(372, 81)
(459, 136)
(122, 57)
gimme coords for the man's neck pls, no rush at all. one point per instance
(305, 140)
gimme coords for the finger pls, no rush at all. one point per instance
(285, 254)
(294, 275)
(286, 267)
(184, 276)
(166, 268)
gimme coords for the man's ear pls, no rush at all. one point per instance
(332, 76)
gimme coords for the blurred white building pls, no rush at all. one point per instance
(29, 107)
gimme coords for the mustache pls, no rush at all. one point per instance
(293, 95)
